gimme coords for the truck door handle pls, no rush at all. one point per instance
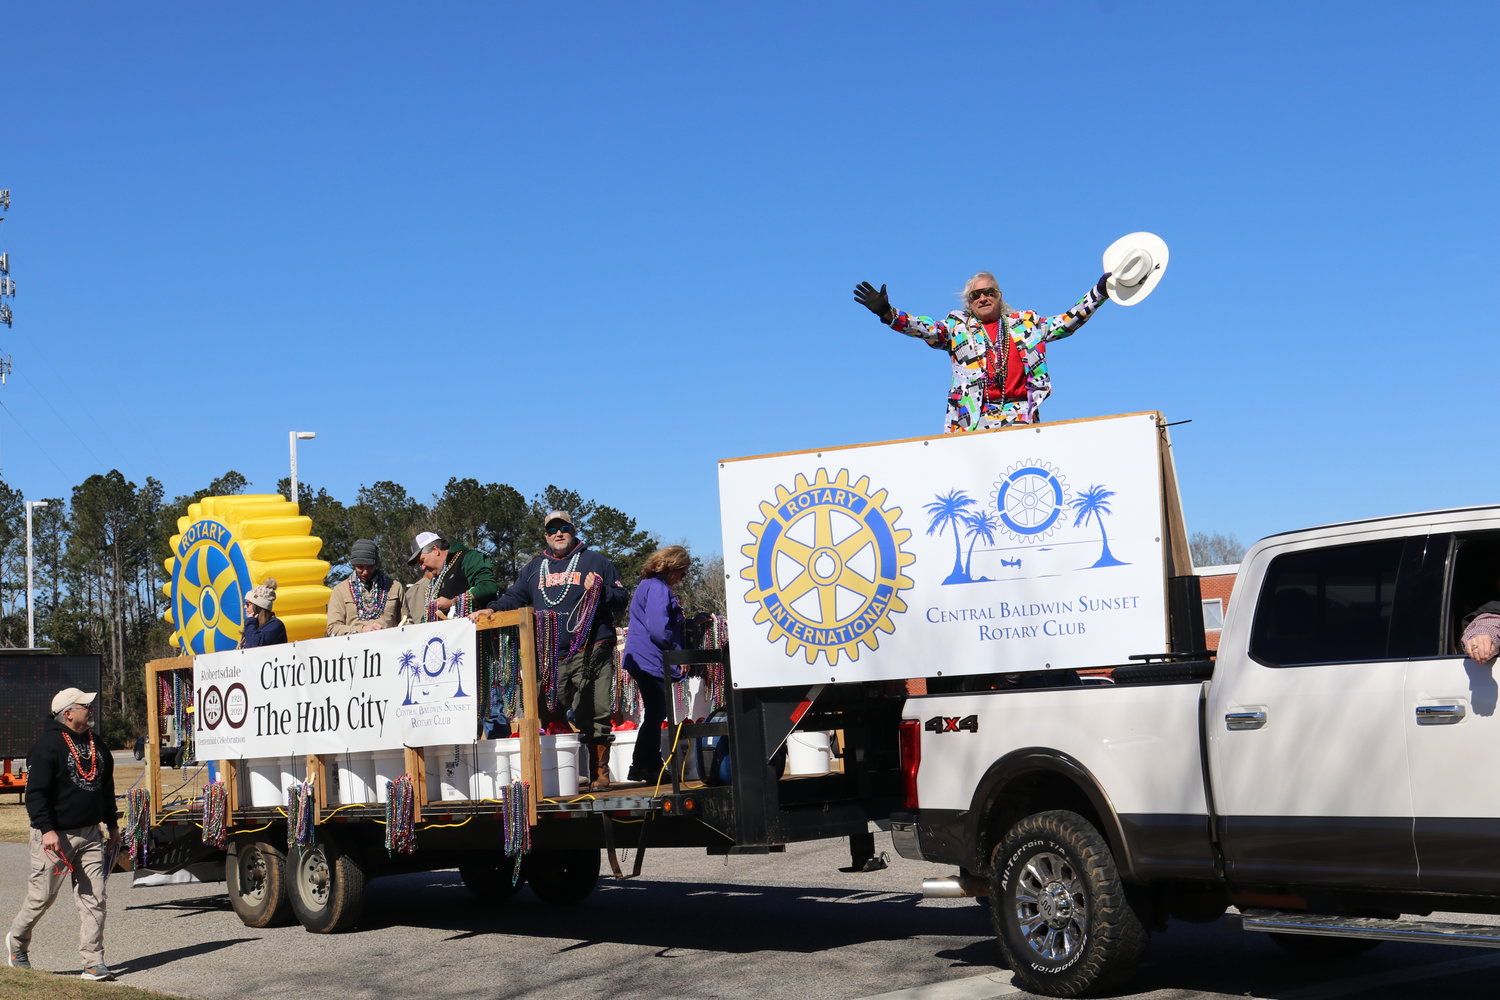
(1245, 720)
(1439, 715)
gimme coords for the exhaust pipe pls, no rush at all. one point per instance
(955, 887)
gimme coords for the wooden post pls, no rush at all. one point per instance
(155, 668)
(317, 767)
(416, 766)
(528, 725)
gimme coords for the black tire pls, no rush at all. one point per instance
(562, 877)
(1311, 946)
(1060, 913)
(255, 874)
(326, 887)
(489, 876)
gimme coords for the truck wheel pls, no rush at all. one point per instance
(1060, 913)
(562, 876)
(1317, 947)
(326, 887)
(488, 876)
(255, 875)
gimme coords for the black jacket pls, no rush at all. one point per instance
(64, 791)
(545, 583)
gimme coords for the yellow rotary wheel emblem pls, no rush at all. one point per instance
(223, 548)
(826, 566)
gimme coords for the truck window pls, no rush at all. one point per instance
(1331, 605)
(1476, 579)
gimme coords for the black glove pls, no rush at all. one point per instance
(872, 299)
(1102, 288)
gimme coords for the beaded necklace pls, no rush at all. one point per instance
(137, 835)
(215, 814)
(515, 818)
(369, 599)
(92, 756)
(581, 618)
(508, 674)
(542, 574)
(546, 654)
(400, 817)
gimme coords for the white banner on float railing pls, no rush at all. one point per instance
(1022, 549)
(412, 686)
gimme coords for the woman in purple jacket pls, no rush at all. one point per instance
(656, 625)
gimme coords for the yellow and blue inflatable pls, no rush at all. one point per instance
(223, 548)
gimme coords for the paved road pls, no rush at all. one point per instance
(691, 927)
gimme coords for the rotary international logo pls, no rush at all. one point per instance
(826, 566)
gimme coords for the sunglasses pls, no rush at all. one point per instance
(976, 293)
(560, 529)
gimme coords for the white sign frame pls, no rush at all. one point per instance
(1028, 548)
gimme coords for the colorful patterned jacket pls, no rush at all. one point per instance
(967, 343)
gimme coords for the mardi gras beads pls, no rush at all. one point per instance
(137, 834)
(400, 817)
(215, 814)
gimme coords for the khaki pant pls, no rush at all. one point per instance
(586, 685)
(85, 849)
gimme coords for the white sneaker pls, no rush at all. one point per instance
(97, 973)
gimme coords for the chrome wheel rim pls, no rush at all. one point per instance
(1051, 910)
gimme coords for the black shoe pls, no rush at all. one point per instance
(646, 773)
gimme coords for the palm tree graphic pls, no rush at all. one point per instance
(454, 662)
(407, 664)
(1094, 503)
(982, 525)
(947, 510)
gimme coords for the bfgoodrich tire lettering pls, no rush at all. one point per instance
(1060, 913)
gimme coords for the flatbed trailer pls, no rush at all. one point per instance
(272, 879)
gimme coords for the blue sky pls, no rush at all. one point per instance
(605, 245)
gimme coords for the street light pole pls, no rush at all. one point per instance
(293, 437)
(30, 617)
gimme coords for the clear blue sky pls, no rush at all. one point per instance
(605, 245)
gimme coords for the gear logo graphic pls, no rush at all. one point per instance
(224, 547)
(826, 566)
(1031, 500)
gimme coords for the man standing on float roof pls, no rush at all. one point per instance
(584, 588)
(997, 380)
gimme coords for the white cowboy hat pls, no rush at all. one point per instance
(1135, 264)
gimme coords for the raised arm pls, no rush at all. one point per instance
(1066, 324)
(936, 334)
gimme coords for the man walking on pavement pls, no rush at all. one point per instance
(70, 791)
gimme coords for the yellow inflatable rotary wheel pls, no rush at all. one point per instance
(227, 545)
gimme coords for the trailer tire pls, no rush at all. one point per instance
(326, 887)
(490, 876)
(562, 877)
(1060, 912)
(255, 877)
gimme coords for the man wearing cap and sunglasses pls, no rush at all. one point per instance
(70, 791)
(584, 588)
(998, 380)
(462, 580)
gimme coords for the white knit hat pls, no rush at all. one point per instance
(265, 595)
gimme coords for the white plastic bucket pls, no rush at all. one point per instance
(268, 779)
(496, 763)
(560, 765)
(621, 753)
(389, 765)
(449, 771)
(355, 781)
(809, 754)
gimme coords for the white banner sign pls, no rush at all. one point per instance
(1024, 549)
(413, 686)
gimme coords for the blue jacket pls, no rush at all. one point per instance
(272, 633)
(656, 625)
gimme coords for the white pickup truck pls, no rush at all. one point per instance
(1319, 775)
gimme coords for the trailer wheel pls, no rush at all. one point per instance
(255, 875)
(489, 876)
(562, 877)
(1312, 946)
(1060, 913)
(326, 887)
